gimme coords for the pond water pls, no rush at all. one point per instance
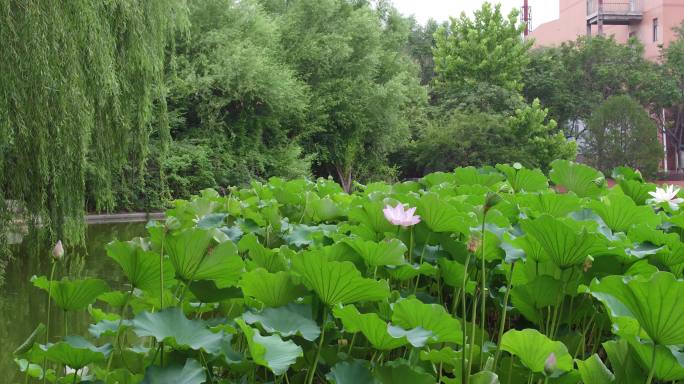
(23, 307)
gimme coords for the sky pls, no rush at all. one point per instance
(440, 10)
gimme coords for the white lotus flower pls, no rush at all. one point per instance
(666, 195)
(398, 216)
(81, 372)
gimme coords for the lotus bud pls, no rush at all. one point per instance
(550, 364)
(517, 166)
(491, 200)
(588, 262)
(474, 244)
(58, 251)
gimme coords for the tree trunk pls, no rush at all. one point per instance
(345, 175)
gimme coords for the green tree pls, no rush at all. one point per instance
(364, 87)
(81, 87)
(575, 78)
(420, 44)
(235, 100)
(620, 132)
(487, 48)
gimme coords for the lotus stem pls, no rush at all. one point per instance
(502, 324)
(484, 286)
(47, 328)
(464, 376)
(161, 272)
(652, 370)
(422, 254)
(118, 333)
(351, 343)
(473, 321)
(314, 366)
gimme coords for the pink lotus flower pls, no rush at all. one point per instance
(550, 364)
(58, 251)
(399, 216)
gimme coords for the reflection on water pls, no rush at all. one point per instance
(22, 306)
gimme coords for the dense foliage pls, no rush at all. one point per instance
(80, 85)
(486, 48)
(500, 278)
(620, 132)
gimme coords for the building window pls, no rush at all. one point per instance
(655, 30)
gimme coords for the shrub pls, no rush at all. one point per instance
(479, 138)
(620, 132)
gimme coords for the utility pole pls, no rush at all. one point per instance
(599, 16)
(526, 17)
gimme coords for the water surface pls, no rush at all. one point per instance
(23, 307)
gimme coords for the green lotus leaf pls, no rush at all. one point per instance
(624, 362)
(594, 371)
(556, 205)
(371, 325)
(410, 271)
(72, 295)
(400, 372)
(579, 178)
(528, 245)
(534, 348)
(324, 209)
(412, 313)
(446, 356)
(116, 299)
(355, 372)
(172, 327)
(654, 302)
(389, 252)
(637, 190)
(222, 264)
(76, 352)
(669, 360)
(474, 176)
(289, 320)
(187, 249)
(620, 212)
(675, 247)
(32, 370)
(211, 220)
(440, 216)
(123, 376)
(437, 178)
(564, 246)
(107, 327)
(337, 282)
(302, 235)
(270, 351)
(190, 373)
(140, 266)
(539, 293)
(524, 180)
(272, 289)
(28, 343)
(369, 214)
(206, 291)
(261, 256)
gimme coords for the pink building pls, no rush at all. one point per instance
(651, 21)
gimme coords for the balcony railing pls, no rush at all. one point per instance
(614, 7)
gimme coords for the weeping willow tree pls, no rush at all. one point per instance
(81, 94)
